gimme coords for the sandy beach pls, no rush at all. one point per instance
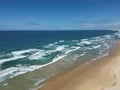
(103, 74)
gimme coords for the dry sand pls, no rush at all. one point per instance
(103, 74)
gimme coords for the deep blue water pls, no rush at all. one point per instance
(25, 39)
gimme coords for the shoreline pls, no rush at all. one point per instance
(97, 75)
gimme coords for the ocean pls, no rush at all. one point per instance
(29, 58)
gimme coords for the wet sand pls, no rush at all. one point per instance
(103, 74)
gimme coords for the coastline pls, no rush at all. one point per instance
(100, 74)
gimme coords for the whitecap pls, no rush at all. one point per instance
(37, 55)
(96, 47)
(50, 45)
(12, 58)
(59, 48)
(24, 51)
(85, 42)
(61, 41)
(18, 55)
(71, 50)
(58, 58)
(55, 42)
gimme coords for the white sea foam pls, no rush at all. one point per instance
(33, 54)
(61, 41)
(39, 81)
(88, 48)
(106, 45)
(117, 34)
(37, 55)
(50, 44)
(85, 42)
(50, 51)
(5, 84)
(84, 39)
(55, 42)
(96, 47)
(108, 36)
(58, 58)
(83, 54)
(23, 51)
(71, 50)
(59, 48)
(11, 72)
(12, 58)
(5, 73)
(18, 55)
(18, 70)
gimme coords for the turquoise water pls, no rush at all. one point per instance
(23, 52)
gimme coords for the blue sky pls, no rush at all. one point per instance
(59, 14)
